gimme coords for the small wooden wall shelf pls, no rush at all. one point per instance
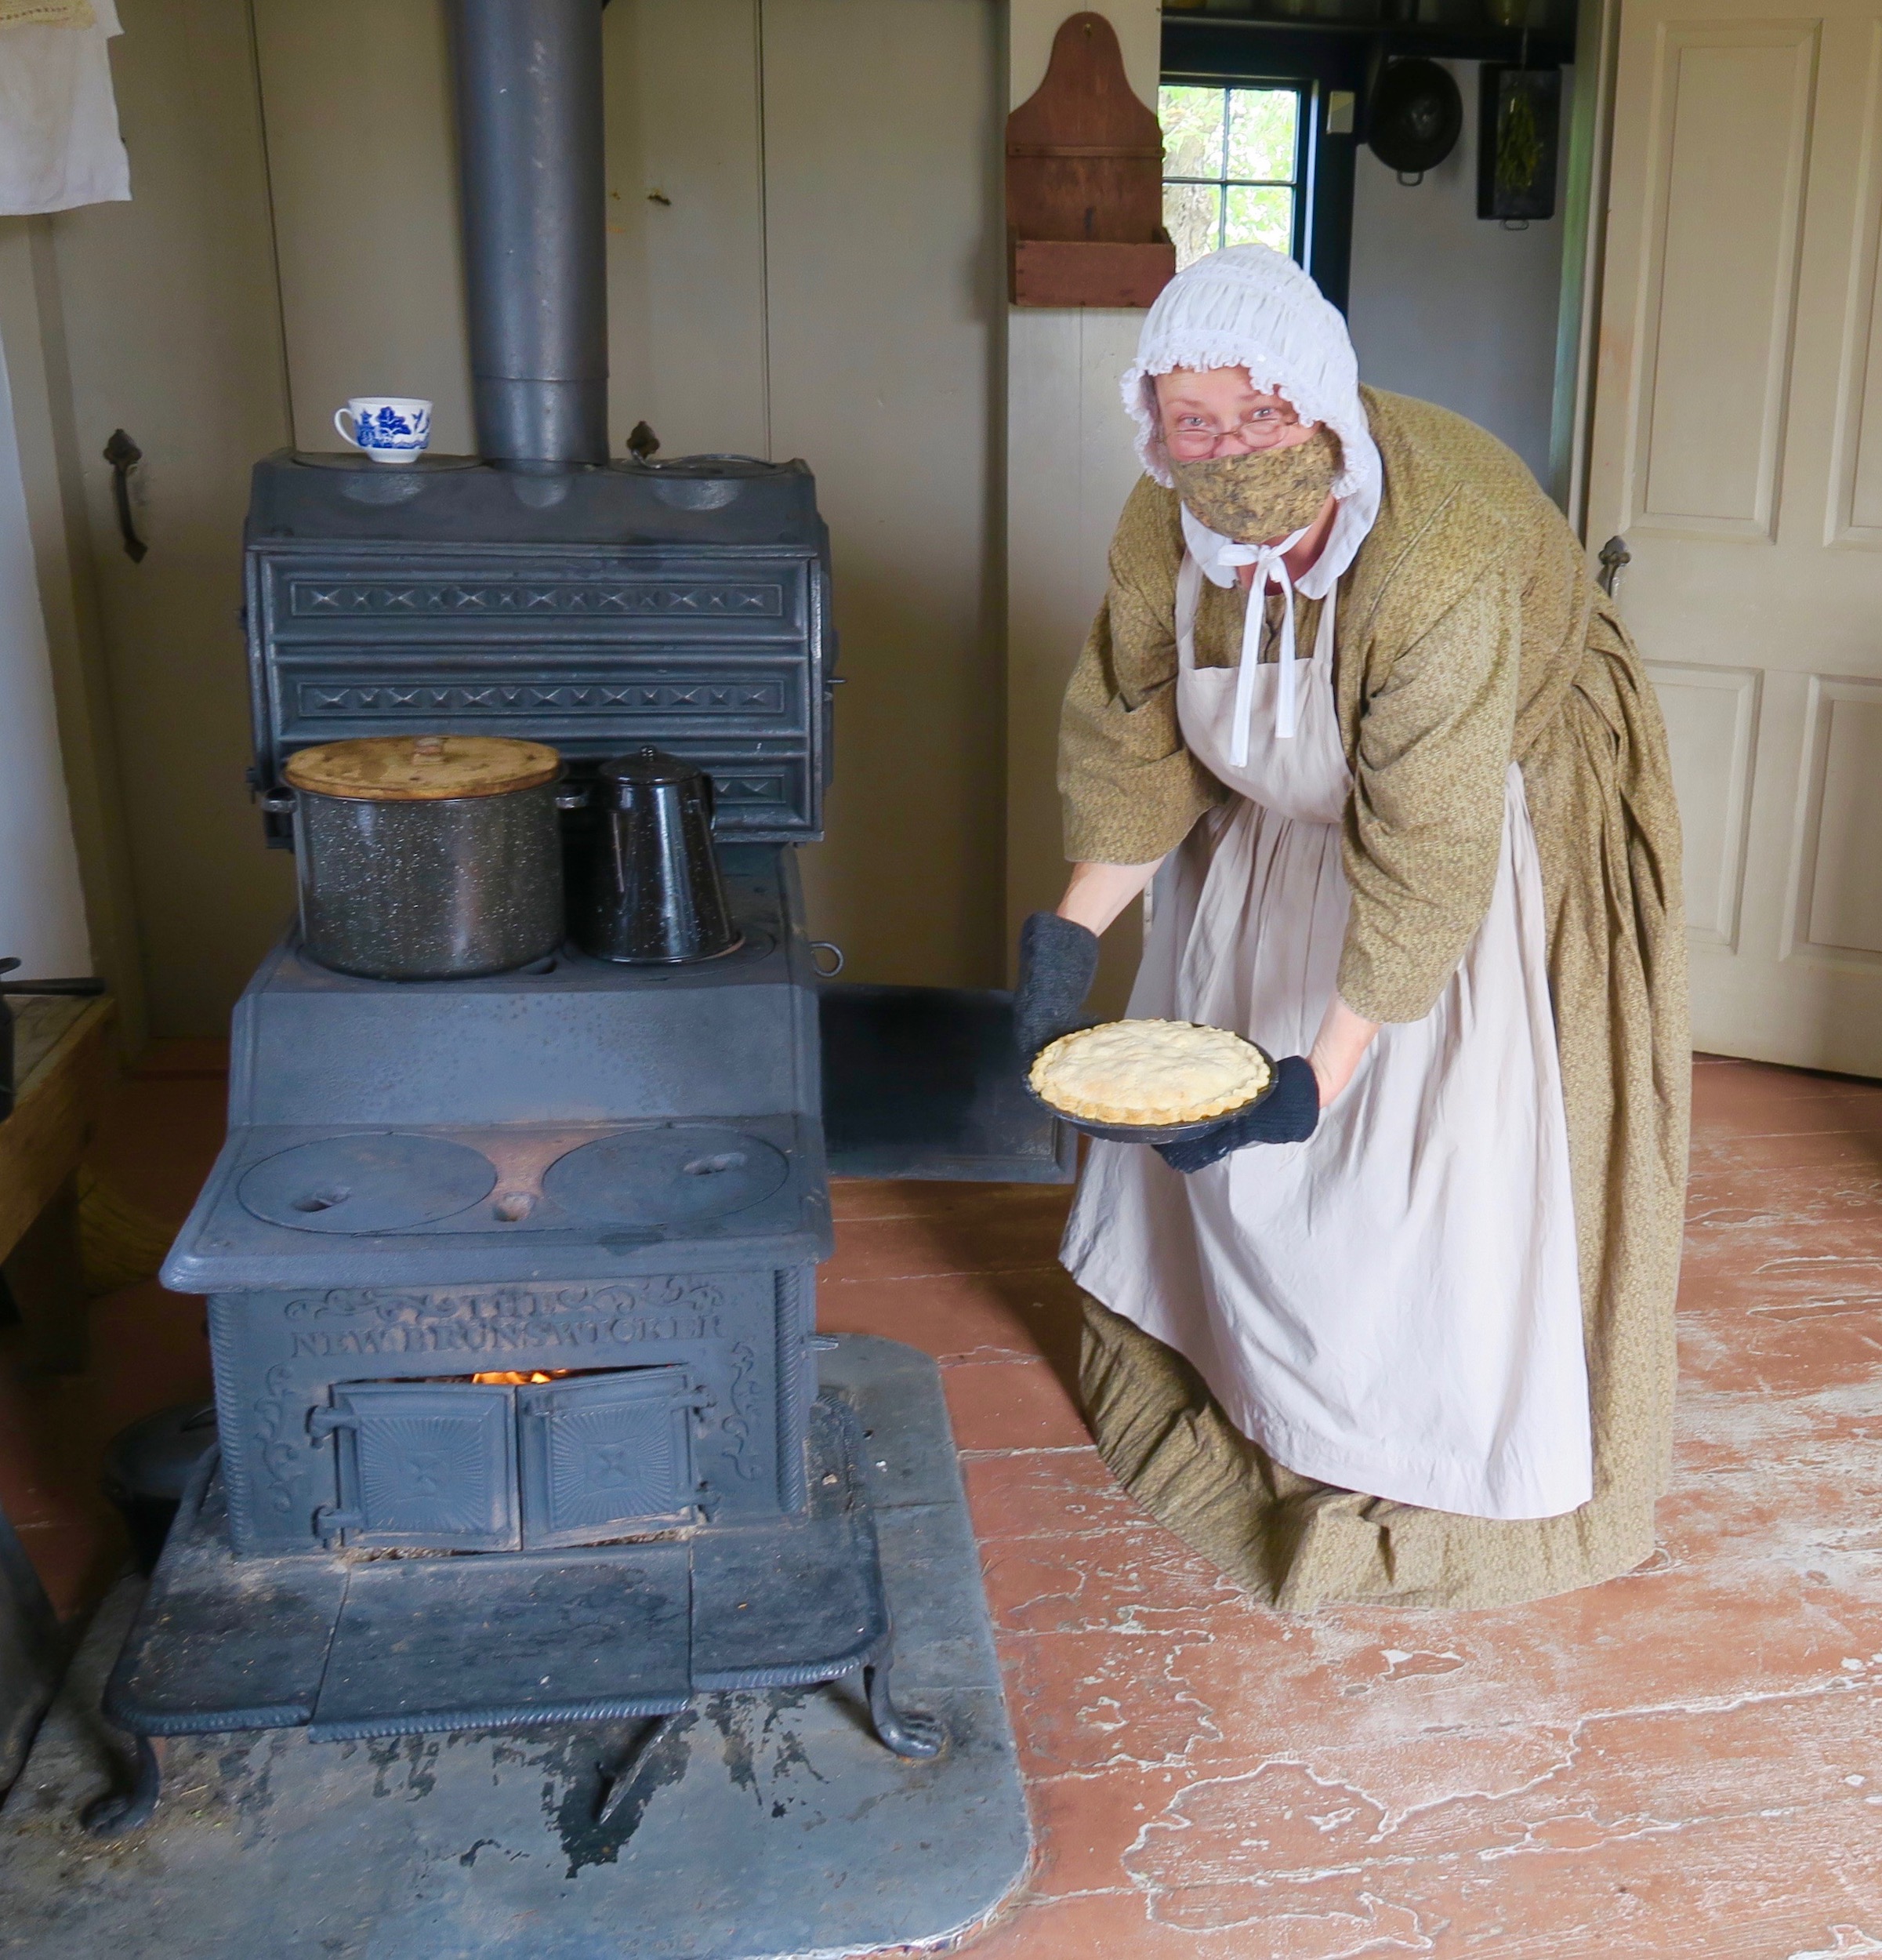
(67, 1067)
(1085, 181)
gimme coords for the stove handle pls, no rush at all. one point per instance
(279, 802)
(574, 797)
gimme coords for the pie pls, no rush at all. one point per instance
(1149, 1072)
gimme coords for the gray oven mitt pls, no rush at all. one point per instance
(1058, 961)
(1289, 1114)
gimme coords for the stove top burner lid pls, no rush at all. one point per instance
(676, 1174)
(386, 1181)
(716, 463)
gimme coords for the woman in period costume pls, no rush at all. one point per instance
(1355, 713)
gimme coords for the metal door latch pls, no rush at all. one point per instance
(1615, 558)
(124, 455)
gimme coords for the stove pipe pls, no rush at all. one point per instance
(529, 148)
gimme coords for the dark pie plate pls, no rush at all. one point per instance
(1154, 1132)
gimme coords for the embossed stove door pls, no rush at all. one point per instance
(604, 1455)
(1738, 449)
(426, 1465)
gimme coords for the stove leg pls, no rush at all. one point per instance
(122, 1811)
(618, 1783)
(915, 1737)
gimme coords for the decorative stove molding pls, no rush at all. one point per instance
(502, 1320)
(311, 598)
(313, 699)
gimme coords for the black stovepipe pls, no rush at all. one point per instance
(528, 76)
(6, 1020)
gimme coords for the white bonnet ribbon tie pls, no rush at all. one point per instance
(1270, 563)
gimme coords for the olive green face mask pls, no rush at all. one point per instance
(1265, 495)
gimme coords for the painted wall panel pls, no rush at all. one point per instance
(686, 249)
(881, 146)
(173, 332)
(1069, 467)
(364, 190)
(1449, 307)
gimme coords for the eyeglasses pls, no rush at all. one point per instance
(1194, 436)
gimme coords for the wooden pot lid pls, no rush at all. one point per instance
(421, 768)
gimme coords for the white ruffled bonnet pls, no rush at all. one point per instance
(1252, 308)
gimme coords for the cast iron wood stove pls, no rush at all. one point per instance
(511, 1279)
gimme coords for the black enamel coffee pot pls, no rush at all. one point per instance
(653, 895)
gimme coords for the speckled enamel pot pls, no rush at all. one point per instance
(443, 889)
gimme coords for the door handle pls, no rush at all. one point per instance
(1615, 558)
(124, 455)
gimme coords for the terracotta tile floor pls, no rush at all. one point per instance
(1688, 1761)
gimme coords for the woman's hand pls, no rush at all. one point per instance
(1059, 951)
(1343, 1038)
(1058, 962)
(1304, 1086)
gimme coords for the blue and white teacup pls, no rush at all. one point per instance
(389, 428)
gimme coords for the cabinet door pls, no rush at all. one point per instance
(426, 1465)
(925, 1081)
(603, 1455)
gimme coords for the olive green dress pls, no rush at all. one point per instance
(1468, 634)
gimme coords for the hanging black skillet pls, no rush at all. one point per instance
(1417, 116)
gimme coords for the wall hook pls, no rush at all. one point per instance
(124, 455)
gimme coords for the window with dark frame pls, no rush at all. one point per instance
(1235, 164)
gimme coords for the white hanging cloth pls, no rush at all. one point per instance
(59, 142)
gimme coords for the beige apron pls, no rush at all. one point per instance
(1393, 1306)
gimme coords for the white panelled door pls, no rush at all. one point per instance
(1737, 448)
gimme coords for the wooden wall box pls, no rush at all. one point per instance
(1072, 272)
(1085, 181)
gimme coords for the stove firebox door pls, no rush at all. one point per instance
(426, 1465)
(603, 1455)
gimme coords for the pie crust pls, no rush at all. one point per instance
(1151, 1073)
